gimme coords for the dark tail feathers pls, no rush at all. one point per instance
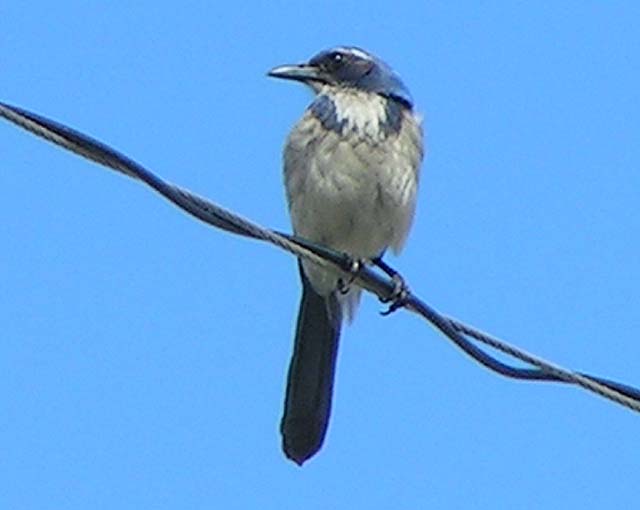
(311, 373)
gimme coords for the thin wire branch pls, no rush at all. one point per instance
(629, 396)
(383, 287)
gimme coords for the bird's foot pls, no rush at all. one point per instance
(344, 284)
(399, 297)
(400, 294)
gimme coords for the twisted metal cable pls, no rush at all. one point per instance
(620, 393)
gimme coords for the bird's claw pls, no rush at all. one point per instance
(343, 285)
(399, 297)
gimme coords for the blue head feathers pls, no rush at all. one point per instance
(347, 66)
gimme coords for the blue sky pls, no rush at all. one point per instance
(143, 355)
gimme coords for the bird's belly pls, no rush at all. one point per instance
(355, 199)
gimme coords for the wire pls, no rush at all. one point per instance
(386, 288)
(620, 393)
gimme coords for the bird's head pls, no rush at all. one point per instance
(347, 67)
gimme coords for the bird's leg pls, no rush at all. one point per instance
(400, 292)
(344, 284)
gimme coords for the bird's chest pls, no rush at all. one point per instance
(350, 170)
(346, 187)
(345, 151)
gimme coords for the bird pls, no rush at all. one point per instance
(351, 173)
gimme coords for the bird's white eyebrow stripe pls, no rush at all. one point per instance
(357, 52)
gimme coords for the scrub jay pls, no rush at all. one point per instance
(351, 169)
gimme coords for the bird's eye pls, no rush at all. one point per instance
(336, 58)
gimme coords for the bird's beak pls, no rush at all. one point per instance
(299, 72)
